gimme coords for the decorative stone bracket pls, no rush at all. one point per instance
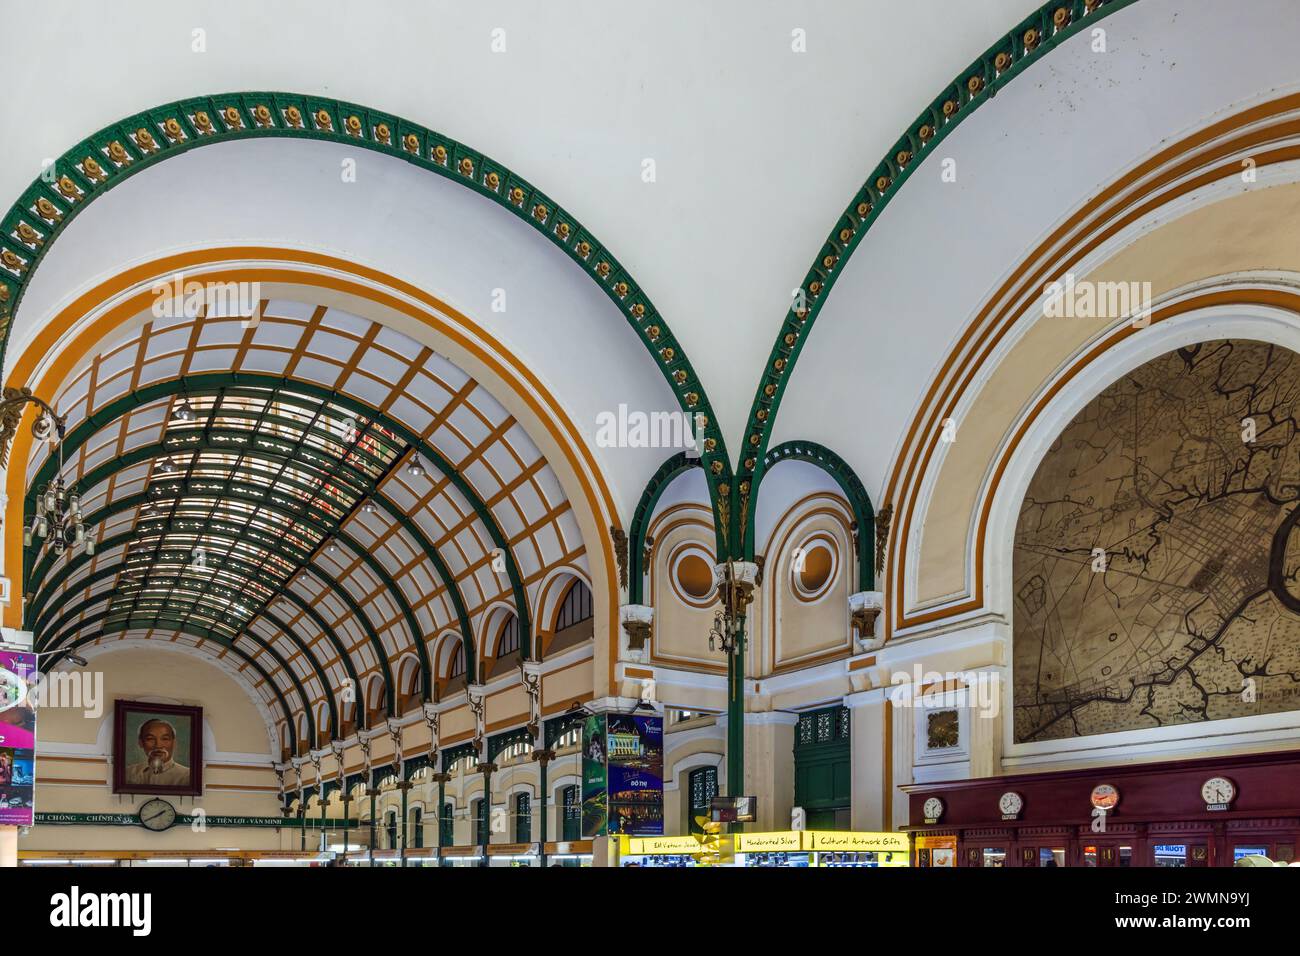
(864, 609)
(638, 622)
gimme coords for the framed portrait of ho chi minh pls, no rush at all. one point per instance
(157, 748)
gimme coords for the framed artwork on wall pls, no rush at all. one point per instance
(157, 748)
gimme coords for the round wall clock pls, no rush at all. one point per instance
(157, 815)
(933, 808)
(1219, 790)
(1105, 796)
(1011, 803)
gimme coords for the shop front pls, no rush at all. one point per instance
(1185, 813)
(789, 848)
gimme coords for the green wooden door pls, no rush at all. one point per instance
(823, 768)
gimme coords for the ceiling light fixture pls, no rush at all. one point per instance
(184, 412)
(415, 468)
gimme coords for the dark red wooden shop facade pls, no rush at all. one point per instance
(1160, 808)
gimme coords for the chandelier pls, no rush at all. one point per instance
(58, 517)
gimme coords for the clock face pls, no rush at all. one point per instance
(1218, 790)
(1105, 796)
(1011, 803)
(157, 815)
(933, 808)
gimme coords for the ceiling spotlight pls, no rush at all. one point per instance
(370, 507)
(415, 468)
(332, 547)
(166, 466)
(184, 412)
(75, 659)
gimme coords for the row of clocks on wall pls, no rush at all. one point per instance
(1217, 792)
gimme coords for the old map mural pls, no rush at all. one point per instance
(1157, 575)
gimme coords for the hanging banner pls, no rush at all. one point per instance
(595, 799)
(17, 738)
(635, 745)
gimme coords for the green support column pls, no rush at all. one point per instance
(736, 714)
(323, 801)
(441, 780)
(371, 792)
(302, 821)
(486, 827)
(405, 787)
(347, 799)
(543, 757)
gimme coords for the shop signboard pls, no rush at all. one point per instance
(595, 796)
(635, 772)
(653, 846)
(856, 842)
(792, 841)
(17, 738)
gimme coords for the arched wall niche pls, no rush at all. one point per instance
(1220, 243)
(1258, 327)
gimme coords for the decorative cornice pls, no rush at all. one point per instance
(1043, 30)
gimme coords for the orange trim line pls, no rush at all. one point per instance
(47, 338)
(907, 472)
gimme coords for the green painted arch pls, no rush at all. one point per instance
(26, 234)
(859, 501)
(201, 384)
(334, 587)
(975, 85)
(677, 465)
(373, 565)
(285, 709)
(340, 650)
(111, 570)
(325, 525)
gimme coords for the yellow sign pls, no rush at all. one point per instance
(788, 842)
(855, 842)
(665, 845)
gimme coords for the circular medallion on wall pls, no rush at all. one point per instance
(690, 572)
(814, 564)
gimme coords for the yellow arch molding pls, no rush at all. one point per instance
(291, 268)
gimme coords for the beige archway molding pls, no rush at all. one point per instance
(1115, 235)
(72, 335)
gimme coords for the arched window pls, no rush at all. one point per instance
(523, 818)
(447, 826)
(417, 827)
(457, 662)
(575, 608)
(702, 784)
(508, 643)
(572, 829)
(390, 826)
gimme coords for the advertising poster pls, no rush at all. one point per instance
(594, 797)
(635, 750)
(17, 739)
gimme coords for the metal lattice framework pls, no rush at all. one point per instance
(273, 514)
